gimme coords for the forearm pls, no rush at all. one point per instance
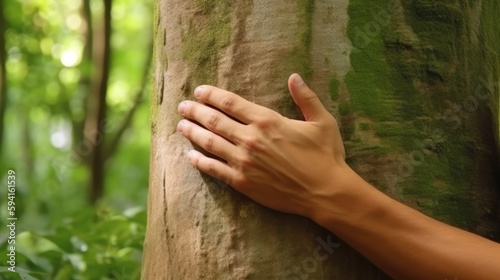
(403, 242)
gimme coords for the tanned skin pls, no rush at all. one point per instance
(267, 156)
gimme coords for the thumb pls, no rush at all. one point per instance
(305, 98)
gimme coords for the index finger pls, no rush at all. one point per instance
(230, 103)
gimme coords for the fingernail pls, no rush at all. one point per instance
(181, 126)
(182, 107)
(190, 155)
(298, 80)
(198, 91)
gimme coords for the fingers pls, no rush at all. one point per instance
(211, 166)
(230, 103)
(213, 120)
(207, 140)
(306, 99)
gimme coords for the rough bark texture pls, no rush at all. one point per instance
(392, 73)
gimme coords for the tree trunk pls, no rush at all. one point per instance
(95, 120)
(414, 85)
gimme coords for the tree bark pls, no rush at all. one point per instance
(414, 85)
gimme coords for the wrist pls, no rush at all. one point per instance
(347, 200)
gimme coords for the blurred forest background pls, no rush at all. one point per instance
(74, 126)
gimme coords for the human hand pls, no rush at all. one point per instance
(288, 165)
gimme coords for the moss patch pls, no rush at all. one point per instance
(333, 88)
(490, 43)
(368, 82)
(402, 85)
(299, 60)
(208, 32)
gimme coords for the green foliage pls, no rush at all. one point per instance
(60, 236)
(83, 246)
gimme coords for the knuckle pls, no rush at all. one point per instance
(228, 102)
(245, 161)
(210, 168)
(213, 121)
(252, 143)
(267, 121)
(264, 123)
(208, 144)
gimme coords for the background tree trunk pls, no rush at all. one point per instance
(414, 85)
(95, 121)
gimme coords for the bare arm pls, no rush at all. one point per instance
(267, 155)
(403, 242)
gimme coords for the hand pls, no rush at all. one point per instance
(284, 164)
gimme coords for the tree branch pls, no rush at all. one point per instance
(137, 101)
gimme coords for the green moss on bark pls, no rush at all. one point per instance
(368, 82)
(207, 34)
(299, 60)
(404, 86)
(490, 43)
(333, 88)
